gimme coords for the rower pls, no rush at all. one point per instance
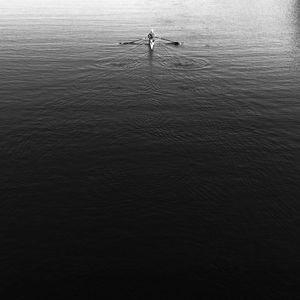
(151, 35)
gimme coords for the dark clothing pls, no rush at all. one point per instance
(151, 36)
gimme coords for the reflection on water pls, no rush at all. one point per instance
(120, 160)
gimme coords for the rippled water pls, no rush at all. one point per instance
(119, 164)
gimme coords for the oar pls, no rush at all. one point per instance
(175, 43)
(132, 42)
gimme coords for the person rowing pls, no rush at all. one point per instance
(151, 37)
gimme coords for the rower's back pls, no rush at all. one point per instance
(151, 35)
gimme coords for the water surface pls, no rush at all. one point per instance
(118, 162)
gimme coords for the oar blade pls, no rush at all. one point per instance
(171, 42)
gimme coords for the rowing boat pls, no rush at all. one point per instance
(151, 40)
(151, 43)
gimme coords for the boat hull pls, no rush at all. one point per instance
(151, 44)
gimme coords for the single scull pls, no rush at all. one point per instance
(152, 37)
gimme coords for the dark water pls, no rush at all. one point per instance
(138, 173)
